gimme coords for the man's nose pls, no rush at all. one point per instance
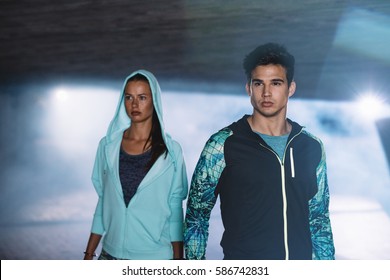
(266, 90)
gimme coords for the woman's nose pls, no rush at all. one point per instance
(134, 103)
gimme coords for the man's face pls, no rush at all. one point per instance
(269, 90)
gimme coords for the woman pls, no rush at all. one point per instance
(140, 177)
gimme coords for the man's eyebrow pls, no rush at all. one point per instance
(274, 80)
(256, 80)
(277, 80)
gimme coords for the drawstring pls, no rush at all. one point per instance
(292, 163)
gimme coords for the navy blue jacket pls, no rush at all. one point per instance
(271, 208)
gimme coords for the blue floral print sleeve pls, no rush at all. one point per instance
(320, 227)
(202, 198)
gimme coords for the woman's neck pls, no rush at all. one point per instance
(136, 139)
(138, 131)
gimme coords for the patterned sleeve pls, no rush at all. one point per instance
(202, 198)
(321, 231)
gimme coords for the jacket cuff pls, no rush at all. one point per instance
(97, 225)
(176, 231)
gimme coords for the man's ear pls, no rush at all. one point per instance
(292, 88)
(248, 89)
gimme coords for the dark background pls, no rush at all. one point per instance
(199, 43)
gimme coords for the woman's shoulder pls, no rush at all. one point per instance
(176, 147)
(172, 142)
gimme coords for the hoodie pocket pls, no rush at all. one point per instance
(147, 229)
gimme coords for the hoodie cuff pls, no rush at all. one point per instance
(97, 225)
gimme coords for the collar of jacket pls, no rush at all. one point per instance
(244, 126)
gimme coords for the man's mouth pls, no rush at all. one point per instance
(266, 104)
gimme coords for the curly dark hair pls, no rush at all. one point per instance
(270, 53)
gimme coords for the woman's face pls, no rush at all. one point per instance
(138, 101)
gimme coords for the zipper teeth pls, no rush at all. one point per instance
(284, 197)
(285, 214)
(285, 231)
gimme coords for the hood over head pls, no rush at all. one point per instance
(121, 120)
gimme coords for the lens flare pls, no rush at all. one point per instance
(372, 106)
(61, 94)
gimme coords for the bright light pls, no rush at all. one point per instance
(372, 106)
(61, 94)
(78, 116)
(371, 101)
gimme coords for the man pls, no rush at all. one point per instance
(269, 172)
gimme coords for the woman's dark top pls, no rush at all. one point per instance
(132, 170)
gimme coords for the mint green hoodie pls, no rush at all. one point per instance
(154, 216)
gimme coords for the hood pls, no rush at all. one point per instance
(121, 120)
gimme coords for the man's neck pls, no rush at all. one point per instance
(270, 126)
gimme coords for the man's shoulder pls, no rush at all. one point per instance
(222, 133)
(239, 127)
(311, 136)
(219, 138)
(300, 129)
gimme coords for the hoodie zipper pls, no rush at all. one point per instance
(292, 163)
(284, 196)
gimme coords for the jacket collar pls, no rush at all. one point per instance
(158, 168)
(245, 128)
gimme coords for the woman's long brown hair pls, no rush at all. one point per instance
(155, 135)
